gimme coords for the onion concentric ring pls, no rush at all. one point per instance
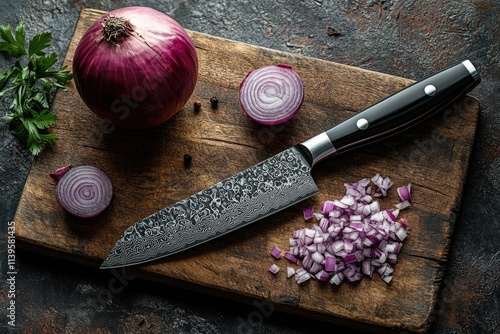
(84, 191)
(272, 95)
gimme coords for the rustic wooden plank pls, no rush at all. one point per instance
(147, 171)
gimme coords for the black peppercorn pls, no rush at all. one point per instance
(187, 160)
(214, 101)
(197, 106)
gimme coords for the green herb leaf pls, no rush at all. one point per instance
(41, 100)
(43, 63)
(6, 34)
(61, 77)
(48, 138)
(44, 119)
(30, 87)
(13, 45)
(4, 76)
(21, 36)
(39, 43)
(35, 144)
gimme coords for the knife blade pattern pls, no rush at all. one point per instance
(252, 194)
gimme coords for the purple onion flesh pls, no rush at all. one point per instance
(84, 191)
(272, 95)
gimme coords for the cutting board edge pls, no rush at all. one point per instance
(285, 308)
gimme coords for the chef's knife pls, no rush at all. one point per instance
(284, 179)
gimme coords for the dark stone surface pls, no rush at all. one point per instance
(405, 38)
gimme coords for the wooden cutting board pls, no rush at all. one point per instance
(147, 171)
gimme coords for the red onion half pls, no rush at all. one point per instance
(84, 191)
(272, 95)
(135, 67)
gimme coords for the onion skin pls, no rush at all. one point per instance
(59, 173)
(140, 80)
(84, 191)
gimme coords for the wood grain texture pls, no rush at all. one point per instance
(147, 171)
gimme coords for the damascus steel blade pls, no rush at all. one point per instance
(244, 198)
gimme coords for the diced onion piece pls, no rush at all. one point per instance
(290, 272)
(318, 215)
(401, 233)
(387, 279)
(403, 205)
(276, 252)
(383, 185)
(274, 269)
(271, 95)
(326, 206)
(322, 275)
(308, 213)
(317, 257)
(330, 264)
(404, 193)
(337, 278)
(301, 275)
(291, 257)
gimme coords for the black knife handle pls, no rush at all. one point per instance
(395, 113)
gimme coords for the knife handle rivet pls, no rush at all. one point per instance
(430, 90)
(362, 124)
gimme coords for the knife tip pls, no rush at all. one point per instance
(112, 263)
(104, 266)
(107, 265)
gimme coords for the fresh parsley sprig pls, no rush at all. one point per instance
(30, 83)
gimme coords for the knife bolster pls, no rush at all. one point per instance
(317, 148)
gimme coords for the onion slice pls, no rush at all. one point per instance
(272, 95)
(84, 191)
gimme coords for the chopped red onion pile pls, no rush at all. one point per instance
(353, 237)
(271, 95)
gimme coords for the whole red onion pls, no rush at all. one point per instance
(135, 67)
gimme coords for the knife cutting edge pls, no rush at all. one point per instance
(284, 179)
